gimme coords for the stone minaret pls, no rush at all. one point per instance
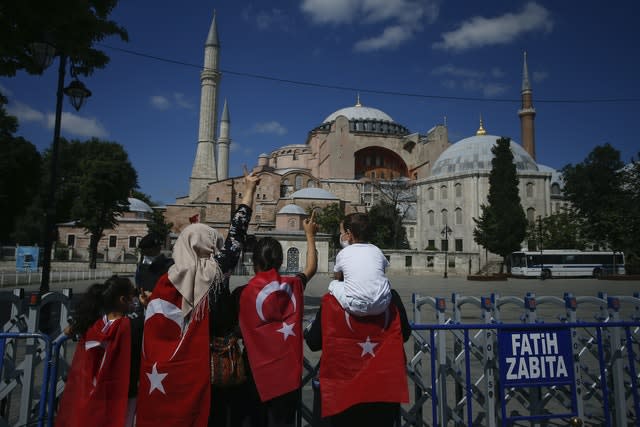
(527, 114)
(204, 165)
(223, 144)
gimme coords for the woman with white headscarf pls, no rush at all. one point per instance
(175, 379)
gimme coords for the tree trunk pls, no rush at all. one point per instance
(93, 250)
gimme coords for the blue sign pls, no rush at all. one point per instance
(540, 357)
(27, 258)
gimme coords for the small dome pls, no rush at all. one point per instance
(556, 177)
(292, 209)
(313, 193)
(474, 154)
(137, 205)
(359, 113)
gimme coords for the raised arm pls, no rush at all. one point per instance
(228, 257)
(310, 230)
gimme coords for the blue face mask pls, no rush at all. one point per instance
(344, 243)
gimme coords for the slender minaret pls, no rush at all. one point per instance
(204, 165)
(527, 113)
(481, 130)
(223, 144)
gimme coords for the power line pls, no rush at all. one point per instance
(372, 91)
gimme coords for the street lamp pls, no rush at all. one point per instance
(445, 233)
(42, 54)
(542, 273)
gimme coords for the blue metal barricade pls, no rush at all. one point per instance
(30, 339)
(552, 350)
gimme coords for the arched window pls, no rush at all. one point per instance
(431, 216)
(529, 189)
(458, 213)
(298, 182)
(444, 214)
(531, 215)
(293, 260)
(430, 193)
(443, 192)
(411, 232)
(555, 189)
(284, 187)
(458, 187)
(311, 184)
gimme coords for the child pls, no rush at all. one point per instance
(103, 378)
(361, 286)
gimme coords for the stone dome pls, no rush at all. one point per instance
(292, 209)
(359, 112)
(137, 205)
(474, 154)
(313, 193)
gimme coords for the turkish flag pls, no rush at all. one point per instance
(271, 323)
(96, 391)
(174, 386)
(362, 358)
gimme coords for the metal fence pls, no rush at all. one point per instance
(480, 361)
(17, 278)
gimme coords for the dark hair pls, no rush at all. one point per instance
(150, 241)
(358, 224)
(101, 298)
(267, 254)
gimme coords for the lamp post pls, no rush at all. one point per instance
(445, 233)
(43, 54)
(542, 275)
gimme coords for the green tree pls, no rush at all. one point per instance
(595, 189)
(328, 219)
(560, 230)
(102, 181)
(71, 26)
(502, 225)
(396, 198)
(20, 164)
(386, 226)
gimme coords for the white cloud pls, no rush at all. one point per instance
(5, 91)
(75, 125)
(480, 31)
(390, 38)
(234, 147)
(181, 101)
(472, 80)
(266, 19)
(539, 76)
(159, 102)
(402, 18)
(24, 113)
(175, 100)
(272, 127)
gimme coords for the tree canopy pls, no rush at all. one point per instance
(605, 193)
(70, 26)
(386, 226)
(502, 225)
(20, 164)
(328, 219)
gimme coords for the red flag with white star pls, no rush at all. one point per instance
(270, 319)
(174, 386)
(362, 358)
(96, 391)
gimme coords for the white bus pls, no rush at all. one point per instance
(566, 263)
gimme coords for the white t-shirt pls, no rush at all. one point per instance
(363, 266)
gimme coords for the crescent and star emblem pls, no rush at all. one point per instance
(268, 290)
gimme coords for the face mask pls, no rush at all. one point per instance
(344, 243)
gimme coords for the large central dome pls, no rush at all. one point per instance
(359, 112)
(474, 154)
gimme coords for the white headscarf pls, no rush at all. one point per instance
(195, 270)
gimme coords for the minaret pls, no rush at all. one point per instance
(223, 144)
(204, 165)
(527, 114)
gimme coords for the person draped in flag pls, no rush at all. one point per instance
(362, 368)
(102, 384)
(270, 309)
(175, 386)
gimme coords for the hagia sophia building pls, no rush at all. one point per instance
(341, 160)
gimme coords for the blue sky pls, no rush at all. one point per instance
(424, 48)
